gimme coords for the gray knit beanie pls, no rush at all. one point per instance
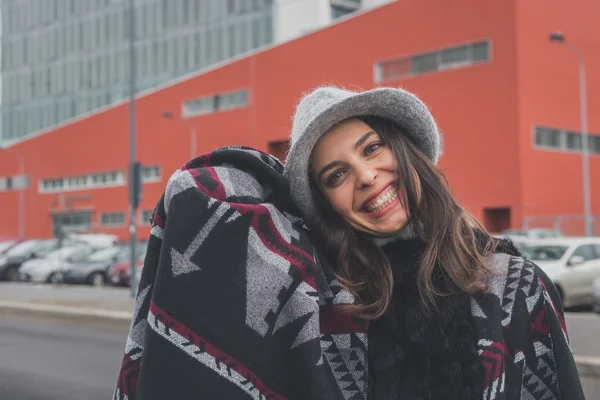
(325, 107)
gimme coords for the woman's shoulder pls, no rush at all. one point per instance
(509, 271)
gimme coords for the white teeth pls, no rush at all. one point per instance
(382, 201)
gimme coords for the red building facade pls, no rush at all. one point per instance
(505, 97)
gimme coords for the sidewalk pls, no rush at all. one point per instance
(75, 302)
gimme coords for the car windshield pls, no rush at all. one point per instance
(22, 249)
(105, 254)
(544, 253)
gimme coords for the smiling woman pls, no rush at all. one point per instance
(361, 184)
(423, 271)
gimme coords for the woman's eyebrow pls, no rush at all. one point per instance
(363, 139)
(327, 167)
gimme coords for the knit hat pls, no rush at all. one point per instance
(325, 107)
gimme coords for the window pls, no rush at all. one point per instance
(72, 222)
(594, 144)
(204, 105)
(444, 59)
(573, 141)
(551, 138)
(424, 63)
(231, 100)
(338, 11)
(585, 251)
(112, 219)
(19, 182)
(151, 173)
(455, 57)
(145, 217)
(481, 51)
(547, 137)
(219, 102)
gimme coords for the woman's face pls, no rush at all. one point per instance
(357, 173)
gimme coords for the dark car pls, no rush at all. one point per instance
(94, 270)
(120, 274)
(11, 261)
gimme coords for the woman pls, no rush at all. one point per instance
(455, 313)
(237, 301)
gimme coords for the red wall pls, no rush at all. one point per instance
(549, 96)
(485, 111)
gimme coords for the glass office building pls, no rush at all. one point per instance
(64, 58)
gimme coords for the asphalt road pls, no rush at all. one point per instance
(43, 358)
(584, 333)
(49, 359)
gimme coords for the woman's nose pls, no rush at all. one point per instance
(367, 176)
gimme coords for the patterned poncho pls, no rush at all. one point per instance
(234, 303)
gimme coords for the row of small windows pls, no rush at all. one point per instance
(98, 180)
(16, 182)
(81, 221)
(435, 61)
(216, 102)
(170, 56)
(108, 19)
(560, 139)
(104, 179)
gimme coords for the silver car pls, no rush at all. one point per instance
(596, 294)
(572, 263)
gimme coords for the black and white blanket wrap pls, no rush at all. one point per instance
(233, 303)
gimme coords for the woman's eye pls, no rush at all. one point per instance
(335, 177)
(372, 148)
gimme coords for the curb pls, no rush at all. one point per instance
(588, 366)
(74, 313)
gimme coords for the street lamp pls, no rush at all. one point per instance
(191, 126)
(21, 161)
(559, 37)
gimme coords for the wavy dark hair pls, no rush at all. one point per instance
(456, 243)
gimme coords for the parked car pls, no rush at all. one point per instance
(572, 263)
(533, 234)
(596, 294)
(120, 274)
(94, 270)
(95, 240)
(11, 261)
(49, 268)
(6, 245)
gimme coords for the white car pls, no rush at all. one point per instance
(533, 233)
(596, 294)
(47, 269)
(573, 263)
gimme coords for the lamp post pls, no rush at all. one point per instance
(191, 126)
(559, 37)
(133, 197)
(21, 161)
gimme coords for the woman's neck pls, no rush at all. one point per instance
(405, 233)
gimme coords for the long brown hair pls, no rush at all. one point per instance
(455, 241)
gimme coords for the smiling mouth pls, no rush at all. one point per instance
(381, 201)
